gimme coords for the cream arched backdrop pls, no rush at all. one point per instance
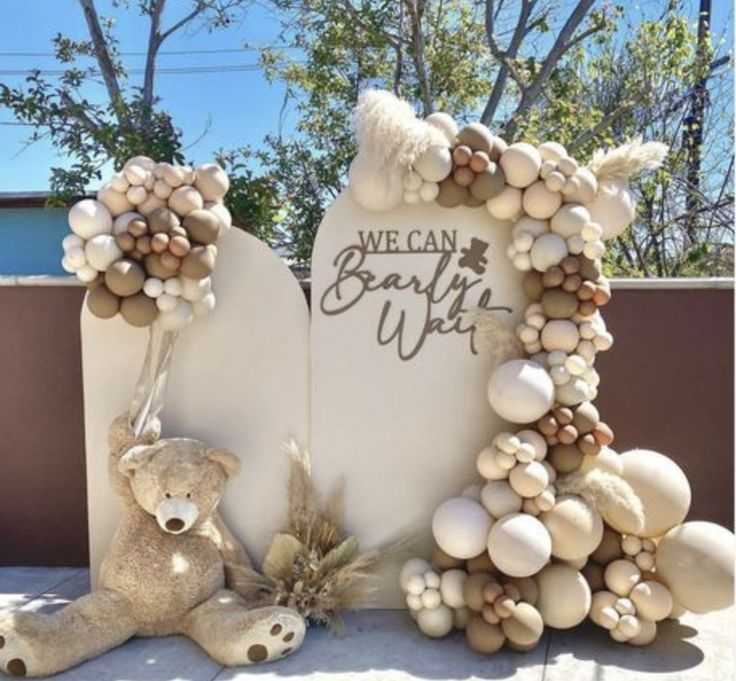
(239, 379)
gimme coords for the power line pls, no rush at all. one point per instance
(163, 53)
(180, 70)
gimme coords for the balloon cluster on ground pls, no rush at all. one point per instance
(146, 247)
(560, 527)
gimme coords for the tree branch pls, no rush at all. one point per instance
(198, 9)
(154, 42)
(416, 13)
(504, 57)
(107, 68)
(606, 122)
(560, 46)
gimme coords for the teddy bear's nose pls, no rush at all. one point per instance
(174, 524)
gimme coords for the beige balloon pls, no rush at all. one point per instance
(564, 596)
(575, 527)
(696, 562)
(662, 487)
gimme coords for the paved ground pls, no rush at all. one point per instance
(382, 645)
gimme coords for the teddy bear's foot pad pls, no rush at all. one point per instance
(274, 638)
(12, 657)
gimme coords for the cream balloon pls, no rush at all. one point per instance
(435, 164)
(506, 205)
(519, 545)
(88, 218)
(662, 488)
(375, 187)
(613, 208)
(435, 622)
(520, 391)
(575, 527)
(564, 596)
(696, 562)
(460, 527)
(499, 499)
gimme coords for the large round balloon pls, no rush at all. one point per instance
(662, 487)
(575, 526)
(521, 391)
(519, 545)
(696, 562)
(375, 187)
(613, 208)
(564, 596)
(460, 527)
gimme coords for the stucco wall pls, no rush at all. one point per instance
(667, 384)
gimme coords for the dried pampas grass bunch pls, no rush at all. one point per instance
(388, 129)
(313, 565)
(628, 160)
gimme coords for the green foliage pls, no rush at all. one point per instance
(613, 82)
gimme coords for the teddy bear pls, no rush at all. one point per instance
(164, 573)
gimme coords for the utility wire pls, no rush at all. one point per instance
(181, 70)
(163, 53)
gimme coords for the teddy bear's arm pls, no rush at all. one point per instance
(232, 551)
(120, 439)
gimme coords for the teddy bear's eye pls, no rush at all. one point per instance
(189, 495)
(168, 496)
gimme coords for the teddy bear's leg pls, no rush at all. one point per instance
(35, 644)
(233, 635)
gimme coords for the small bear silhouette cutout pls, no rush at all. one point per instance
(473, 257)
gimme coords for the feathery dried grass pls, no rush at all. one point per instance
(495, 339)
(313, 565)
(610, 494)
(628, 160)
(387, 128)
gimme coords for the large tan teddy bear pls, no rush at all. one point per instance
(164, 573)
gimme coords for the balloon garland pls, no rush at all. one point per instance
(146, 248)
(561, 527)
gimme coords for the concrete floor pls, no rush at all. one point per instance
(383, 645)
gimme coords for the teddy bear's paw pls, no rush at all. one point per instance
(16, 653)
(278, 634)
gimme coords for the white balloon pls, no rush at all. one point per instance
(102, 251)
(613, 208)
(88, 218)
(204, 306)
(460, 527)
(519, 545)
(375, 187)
(178, 318)
(520, 391)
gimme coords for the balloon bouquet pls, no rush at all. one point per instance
(559, 527)
(146, 249)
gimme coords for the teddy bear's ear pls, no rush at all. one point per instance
(229, 462)
(136, 457)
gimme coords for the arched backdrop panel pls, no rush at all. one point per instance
(239, 379)
(399, 407)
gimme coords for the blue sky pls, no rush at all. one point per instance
(239, 107)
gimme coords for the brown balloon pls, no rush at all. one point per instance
(483, 637)
(445, 561)
(473, 590)
(488, 183)
(476, 136)
(200, 262)
(125, 278)
(163, 220)
(138, 310)
(155, 268)
(102, 302)
(524, 627)
(558, 304)
(202, 226)
(451, 194)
